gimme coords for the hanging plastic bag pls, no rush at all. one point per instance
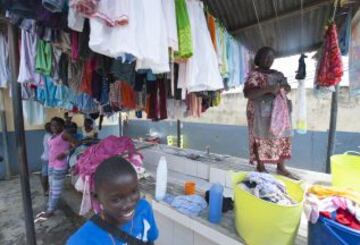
(301, 118)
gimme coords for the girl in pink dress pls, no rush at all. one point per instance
(60, 145)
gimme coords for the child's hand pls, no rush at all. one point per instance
(61, 156)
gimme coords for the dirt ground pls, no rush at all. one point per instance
(55, 231)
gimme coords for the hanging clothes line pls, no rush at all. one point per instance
(95, 61)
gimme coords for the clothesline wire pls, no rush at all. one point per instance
(259, 24)
(302, 25)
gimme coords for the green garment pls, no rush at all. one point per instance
(184, 30)
(43, 60)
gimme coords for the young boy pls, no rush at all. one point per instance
(117, 190)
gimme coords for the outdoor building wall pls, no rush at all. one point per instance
(222, 128)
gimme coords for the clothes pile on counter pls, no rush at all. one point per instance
(92, 157)
(267, 187)
(190, 205)
(120, 55)
(340, 205)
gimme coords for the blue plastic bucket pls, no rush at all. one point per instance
(329, 232)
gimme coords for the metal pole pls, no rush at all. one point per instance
(332, 129)
(178, 140)
(5, 136)
(20, 135)
(121, 125)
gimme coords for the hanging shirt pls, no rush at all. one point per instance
(170, 20)
(43, 60)
(234, 62)
(27, 62)
(33, 112)
(115, 41)
(4, 68)
(201, 72)
(153, 40)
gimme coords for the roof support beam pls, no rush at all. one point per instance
(307, 8)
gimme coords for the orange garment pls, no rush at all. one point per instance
(212, 29)
(127, 96)
(87, 77)
(324, 192)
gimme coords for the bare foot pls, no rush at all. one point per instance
(284, 172)
(261, 168)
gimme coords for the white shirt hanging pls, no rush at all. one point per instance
(4, 56)
(201, 71)
(153, 38)
(170, 18)
(117, 40)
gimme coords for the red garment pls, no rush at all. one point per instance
(330, 69)
(86, 83)
(127, 96)
(346, 218)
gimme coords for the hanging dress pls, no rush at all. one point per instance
(27, 62)
(201, 71)
(171, 28)
(115, 41)
(184, 30)
(4, 68)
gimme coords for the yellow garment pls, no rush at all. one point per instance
(324, 192)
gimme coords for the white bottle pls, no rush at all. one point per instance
(161, 179)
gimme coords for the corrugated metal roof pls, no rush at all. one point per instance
(283, 32)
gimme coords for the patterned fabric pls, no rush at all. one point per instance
(184, 30)
(89, 9)
(280, 115)
(56, 183)
(331, 68)
(266, 149)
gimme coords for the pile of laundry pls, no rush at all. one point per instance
(190, 205)
(267, 187)
(340, 205)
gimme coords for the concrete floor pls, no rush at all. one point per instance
(55, 231)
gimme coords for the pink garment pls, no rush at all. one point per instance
(57, 146)
(90, 9)
(95, 155)
(280, 120)
(313, 206)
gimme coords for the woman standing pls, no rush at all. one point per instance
(261, 88)
(60, 145)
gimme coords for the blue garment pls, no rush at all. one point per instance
(149, 74)
(91, 234)
(189, 205)
(345, 35)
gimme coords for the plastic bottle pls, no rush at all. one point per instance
(215, 203)
(161, 179)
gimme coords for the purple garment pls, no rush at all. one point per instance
(27, 62)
